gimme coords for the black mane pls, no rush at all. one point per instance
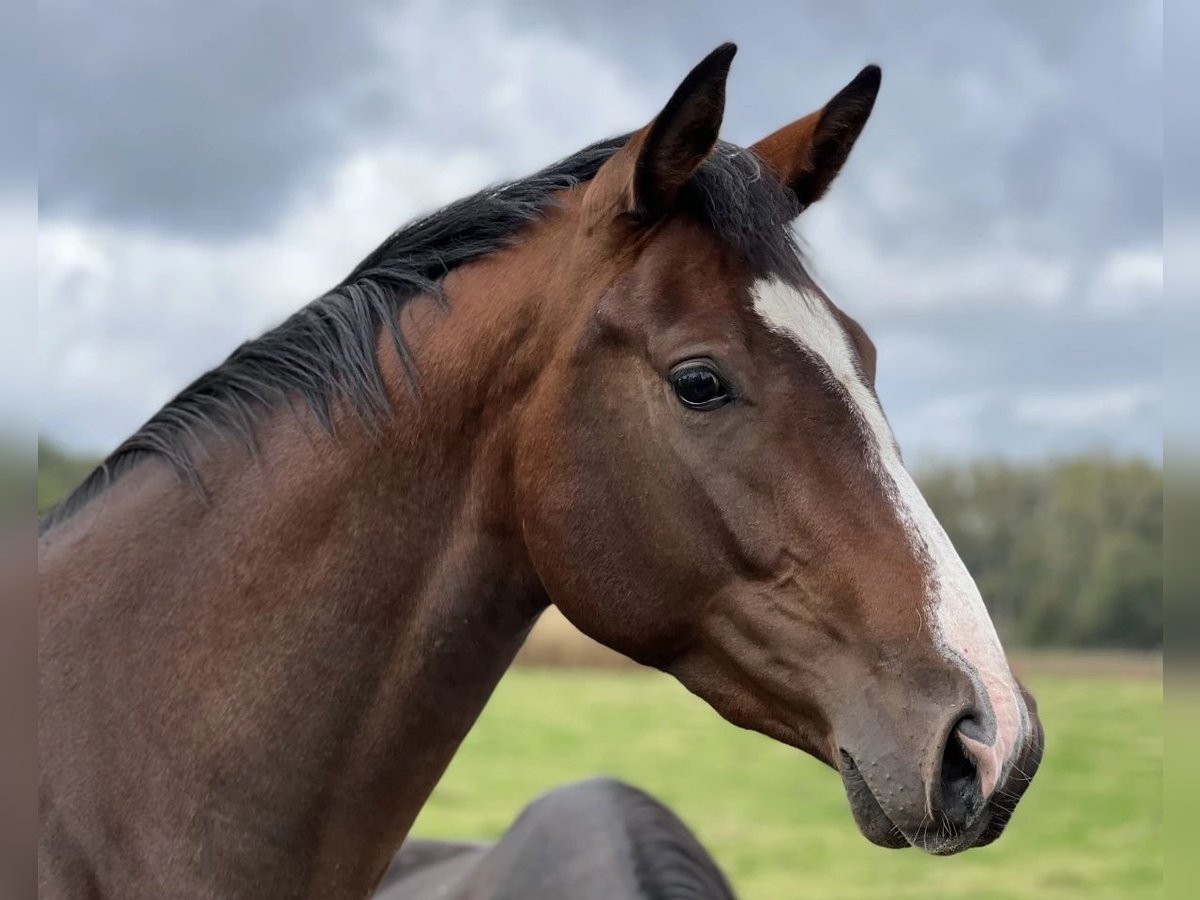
(326, 350)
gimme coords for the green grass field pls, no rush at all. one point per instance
(777, 821)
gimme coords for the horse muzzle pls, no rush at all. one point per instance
(958, 800)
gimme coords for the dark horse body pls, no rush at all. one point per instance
(268, 621)
(598, 840)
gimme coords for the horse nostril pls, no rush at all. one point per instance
(962, 796)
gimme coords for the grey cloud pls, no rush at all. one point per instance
(1018, 130)
(1182, 181)
(199, 117)
(1022, 115)
(208, 117)
(18, 103)
(1003, 356)
(210, 120)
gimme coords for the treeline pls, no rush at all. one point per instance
(1067, 553)
(58, 473)
(15, 480)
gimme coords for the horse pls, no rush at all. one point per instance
(268, 620)
(596, 840)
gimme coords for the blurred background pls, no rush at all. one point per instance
(207, 168)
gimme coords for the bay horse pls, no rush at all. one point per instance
(267, 621)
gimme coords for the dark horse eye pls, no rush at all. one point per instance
(698, 386)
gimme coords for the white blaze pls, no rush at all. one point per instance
(961, 627)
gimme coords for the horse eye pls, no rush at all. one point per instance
(698, 386)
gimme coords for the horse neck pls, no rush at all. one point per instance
(279, 676)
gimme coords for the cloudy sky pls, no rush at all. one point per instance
(207, 168)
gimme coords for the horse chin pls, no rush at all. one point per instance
(878, 828)
(869, 816)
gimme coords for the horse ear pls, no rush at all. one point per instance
(809, 153)
(657, 161)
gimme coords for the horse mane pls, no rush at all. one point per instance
(327, 349)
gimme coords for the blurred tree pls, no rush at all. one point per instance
(58, 473)
(1066, 553)
(15, 481)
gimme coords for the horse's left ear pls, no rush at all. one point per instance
(809, 153)
(645, 176)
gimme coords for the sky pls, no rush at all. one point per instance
(205, 169)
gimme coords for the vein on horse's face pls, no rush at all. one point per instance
(962, 630)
